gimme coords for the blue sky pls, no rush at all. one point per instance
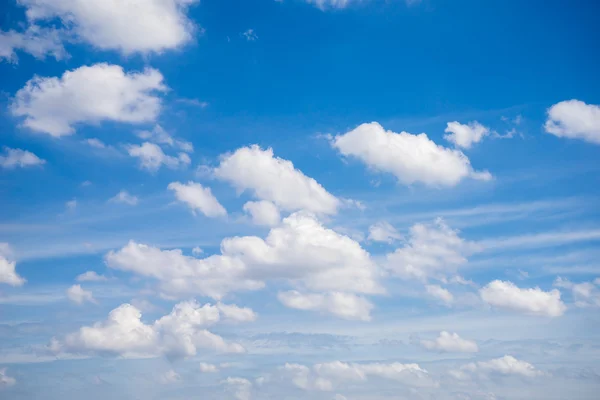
(326, 199)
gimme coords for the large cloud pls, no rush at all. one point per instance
(8, 273)
(182, 333)
(504, 294)
(574, 119)
(276, 180)
(465, 135)
(411, 158)
(89, 94)
(127, 26)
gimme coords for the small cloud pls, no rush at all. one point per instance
(124, 197)
(95, 143)
(78, 295)
(71, 204)
(86, 183)
(250, 35)
(91, 276)
(197, 251)
(193, 102)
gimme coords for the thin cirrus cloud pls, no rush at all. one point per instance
(410, 158)
(39, 42)
(88, 95)
(574, 119)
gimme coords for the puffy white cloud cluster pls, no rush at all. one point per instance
(432, 250)
(198, 198)
(507, 365)
(182, 333)
(88, 94)
(574, 119)
(504, 294)
(411, 158)
(329, 376)
(450, 342)
(263, 212)
(465, 135)
(8, 273)
(18, 158)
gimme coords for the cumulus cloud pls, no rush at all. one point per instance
(574, 119)
(240, 387)
(8, 273)
(160, 136)
(383, 232)
(450, 342)
(37, 41)
(411, 158)
(129, 27)
(274, 179)
(17, 158)
(300, 251)
(504, 294)
(124, 197)
(152, 157)
(198, 197)
(182, 333)
(585, 294)
(233, 313)
(78, 295)
(440, 294)
(465, 135)
(208, 368)
(343, 305)
(331, 375)
(507, 365)
(91, 276)
(431, 250)
(263, 212)
(5, 380)
(88, 94)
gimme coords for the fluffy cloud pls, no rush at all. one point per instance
(152, 157)
(197, 197)
(89, 94)
(5, 380)
(160, 136)
(450, 342)
(78, 295)
(440, 293)
(585, 294)
(276, 180)
(8, 273)
(182, 333)
(574, 119)
(234, 313)
(432, 250)
(39, 42)
(411, 158)
(343, 305)
(263, 212)
(503, 294)
(208, 368)
(91, 276)
(300, 251)
(124, 197)
(140, 26)
(328, 376)
(13, 158)
(383, 232)
(465, 135)
(240, 387)
(507, 365)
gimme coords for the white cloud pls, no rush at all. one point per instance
(96, 143)
(140, 26)
(325, 4)
(504, 294)
(507, 365)
(170, 377)
(208, 368)
(300, 251)
(91, 276)
(574, 119)
(37, 41)
(8, 273)
(276, 180)
(160, 136)
(585, 294)
(263, 212)
(71, 204)
(13, 158)
(250, 35)
(234, 313)
(240, 387)
(411, 158)
(343, 305)
(182, 333)
(5, 380)
(197, 251)
(124, 197)
(450, 342)
(465, 135)
(440, 293)
(328, 376)
(152, 157)
(383, 232)
(78, 295)
(197, 197)
(89, 94)
(431, 250)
